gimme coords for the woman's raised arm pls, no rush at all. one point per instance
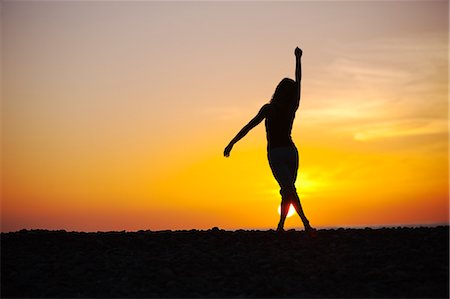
(298, 72)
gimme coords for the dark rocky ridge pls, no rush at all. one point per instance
(387, 262)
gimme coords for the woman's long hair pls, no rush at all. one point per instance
(285, 94)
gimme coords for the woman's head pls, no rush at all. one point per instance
(285, 93)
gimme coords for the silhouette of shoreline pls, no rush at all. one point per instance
(385, 262)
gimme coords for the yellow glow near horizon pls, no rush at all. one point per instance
(115, 114)
(291, 211)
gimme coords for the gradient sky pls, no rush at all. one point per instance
(115, 114)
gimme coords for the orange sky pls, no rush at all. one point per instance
(115, 114)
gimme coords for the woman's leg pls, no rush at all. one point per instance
(284, 165)
(298, 207)
(278, 163)
(293, 168)
(283, 213)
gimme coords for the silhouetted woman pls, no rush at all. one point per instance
(279, 116)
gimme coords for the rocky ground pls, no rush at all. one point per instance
(394, 262)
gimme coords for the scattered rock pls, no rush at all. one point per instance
(386, 262)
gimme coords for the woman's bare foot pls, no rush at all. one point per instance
(280, 228)
(312, 232)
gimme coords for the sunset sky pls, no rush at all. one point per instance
(115, 114)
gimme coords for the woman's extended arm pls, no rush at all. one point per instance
(253, 123)
(298, 71)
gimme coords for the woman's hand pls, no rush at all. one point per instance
(227, 150)
(298, 52)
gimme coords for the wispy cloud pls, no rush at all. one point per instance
(401, 128)
(384, 88)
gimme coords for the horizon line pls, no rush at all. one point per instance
(215, 228)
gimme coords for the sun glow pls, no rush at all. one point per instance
(291, 210)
